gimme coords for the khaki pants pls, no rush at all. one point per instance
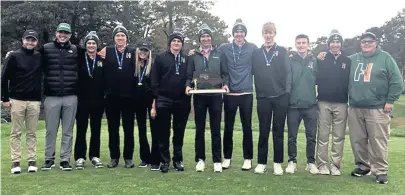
(332, 119)
(28, 112)
(369, 134)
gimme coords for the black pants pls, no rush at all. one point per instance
(268, 108)
(147, 154)
(179, 109)
(294, 117)
(245, 104)
(117, 108)
(92, 109)
(214, 105)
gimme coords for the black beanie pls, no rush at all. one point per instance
(176, 35)
(120, 28)
(239, 25)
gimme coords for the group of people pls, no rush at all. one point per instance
(81, 83)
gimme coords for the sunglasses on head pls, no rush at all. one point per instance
(144, 50)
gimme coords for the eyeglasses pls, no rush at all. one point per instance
(367, 41)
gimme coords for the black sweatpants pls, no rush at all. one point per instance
(294, 117)
(231, 105)
(179, 109)
(268, 109)
(214, 105)
(118, 108)
(147, 154)
(93, 110)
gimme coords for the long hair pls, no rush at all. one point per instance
(138, 65)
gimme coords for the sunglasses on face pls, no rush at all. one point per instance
(367, 41)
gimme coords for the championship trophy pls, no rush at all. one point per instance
(207, 82)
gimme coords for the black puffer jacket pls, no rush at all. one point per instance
(60, 68)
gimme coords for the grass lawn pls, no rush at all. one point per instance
(232, 181)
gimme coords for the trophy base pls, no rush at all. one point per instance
(207, 91)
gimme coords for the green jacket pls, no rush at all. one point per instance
(374, 80)
(303, 94)
(215, 63)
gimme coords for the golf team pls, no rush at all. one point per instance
(125, 83)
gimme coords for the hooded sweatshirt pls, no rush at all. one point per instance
(303, 94)
(374, 80)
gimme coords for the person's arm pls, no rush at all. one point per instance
(224, 69)
(288, 79)
(395, 83)
(190, 71)
(154, 77)
(8, 70)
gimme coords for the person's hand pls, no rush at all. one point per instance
(388, 108)
(6, 105)
(226, 88)
(191, 52)
(188, 90)
(102, 52)
(153, 112)
(321, 56)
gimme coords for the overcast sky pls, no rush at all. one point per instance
(315, 18)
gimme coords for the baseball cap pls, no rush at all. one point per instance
(30, 33)
(64, 27)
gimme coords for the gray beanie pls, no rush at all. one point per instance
(91, 36)
(204, 29)
(239, 25)
(120, 28)
(334, 36)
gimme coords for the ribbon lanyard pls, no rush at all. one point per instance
(205, 59)
(88, 67)
(141, 75)
(233, 53)
(178, 63)
(265, 56)
(122, 57)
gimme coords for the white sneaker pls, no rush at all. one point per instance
(278, 170)
(324, 170)
(217, 168)
(334, 171)
(260, 168)
(226, 164)
(247, 165)
(200, 166)
(291, 168)
(311, 167)
(80, 164)
(16, 170)
(32, 169)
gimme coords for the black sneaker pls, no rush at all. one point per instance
(65, 166)
(113, 163)
(381, 179)
(178, 165)
(48, 165)
(164, 168)
(129, 164)
(155, 168)
(143, 164)
(357, 172)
